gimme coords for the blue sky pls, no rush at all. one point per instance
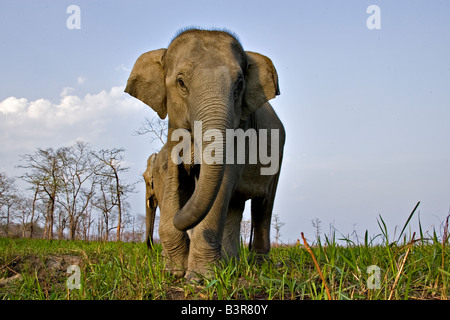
(366, 111)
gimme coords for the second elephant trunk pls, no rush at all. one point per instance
(151, 206)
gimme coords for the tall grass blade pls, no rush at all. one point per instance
(383, 229)
(407, 221)
(317, 266)
(420, 230)
(366, 239)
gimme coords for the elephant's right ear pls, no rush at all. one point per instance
(146, 81)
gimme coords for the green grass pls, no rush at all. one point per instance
(408, 270)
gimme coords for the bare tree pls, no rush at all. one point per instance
(5, 183)
(140, 228)
(24, 210)
(316, 224)
(245, 230)
(33, 209)
(104, 203)
(43, 173)
(8, 200)
(86, 223)
(277, 224)
(77, 183)
(112, 190)
(62, 221)
(156, 127)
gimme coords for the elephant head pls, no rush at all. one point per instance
(150, 199)
(203, 76)
(154, 177)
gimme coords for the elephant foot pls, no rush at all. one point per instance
(176, 267)
(198, 271)
(177, 273)
(192, 276)
(199, 275)
(258, 258)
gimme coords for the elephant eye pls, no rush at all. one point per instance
(181, 83)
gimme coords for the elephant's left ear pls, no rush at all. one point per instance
(261, 83)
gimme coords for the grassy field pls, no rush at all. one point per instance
(37, 269)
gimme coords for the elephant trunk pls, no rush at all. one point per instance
(151, 206)
(211, 170)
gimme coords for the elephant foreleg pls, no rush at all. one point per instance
(261, 218)
(175, 243)
(206, 241)
(261, 211)
(232, 231)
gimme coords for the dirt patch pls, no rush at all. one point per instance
(6, 281)
(51, 262)
(51, 268)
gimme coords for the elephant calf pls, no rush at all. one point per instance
(154, 177)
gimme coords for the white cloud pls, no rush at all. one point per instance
(39, 109)
(41, 122)
(123, 68)
(81, 80)
(66, 91)
(13, 105)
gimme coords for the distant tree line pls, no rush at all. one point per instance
(72, 193)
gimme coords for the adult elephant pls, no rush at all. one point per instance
(205, 82)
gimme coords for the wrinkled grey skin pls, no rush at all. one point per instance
(151, 201)
(207, 76)
(154, 177)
